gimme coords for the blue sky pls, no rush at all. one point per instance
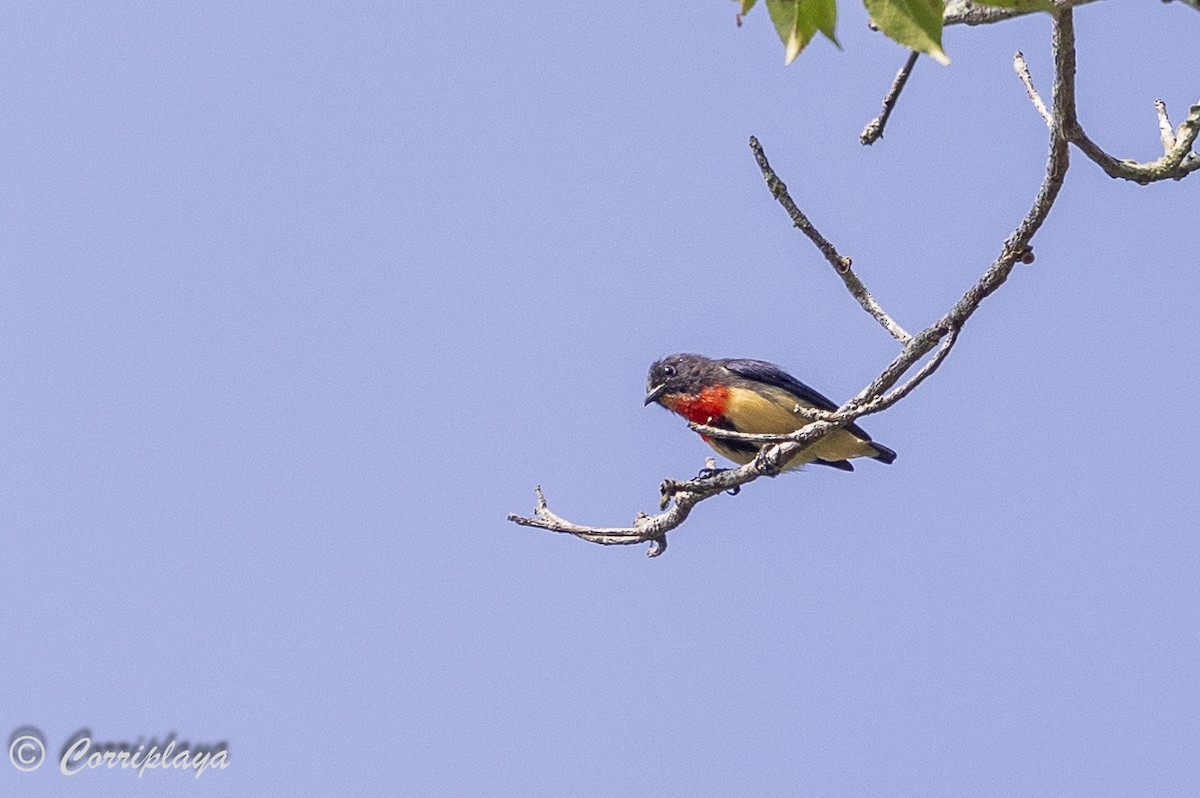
(298, 303)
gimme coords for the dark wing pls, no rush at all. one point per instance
(769, 373)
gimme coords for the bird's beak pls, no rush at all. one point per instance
(655, 392)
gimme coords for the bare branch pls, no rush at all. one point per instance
(964, 12)
(841, 264)
(1022, 69)
(872, 398)
(874, 129)
(641, 531)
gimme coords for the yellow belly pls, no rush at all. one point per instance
(775, 414)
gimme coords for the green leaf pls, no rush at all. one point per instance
(746, 6)
(824, 13)
(797, 21)
(917, 24)
(1019, 5)
(792, 29)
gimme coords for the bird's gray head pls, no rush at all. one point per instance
(676, 374)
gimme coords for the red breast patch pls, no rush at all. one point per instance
(708, 405)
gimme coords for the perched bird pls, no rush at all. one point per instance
(757, 397)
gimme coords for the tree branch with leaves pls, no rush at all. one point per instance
(918, 26)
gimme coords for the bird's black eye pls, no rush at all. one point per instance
(668, 371)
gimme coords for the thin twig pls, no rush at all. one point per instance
(1165, 131)
(874, 129)
(1022, 69)
(841, 264)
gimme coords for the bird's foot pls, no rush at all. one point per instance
(712, 471)
(767, 464)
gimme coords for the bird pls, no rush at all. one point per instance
(757, 397)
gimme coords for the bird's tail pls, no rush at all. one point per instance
(882, 453)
